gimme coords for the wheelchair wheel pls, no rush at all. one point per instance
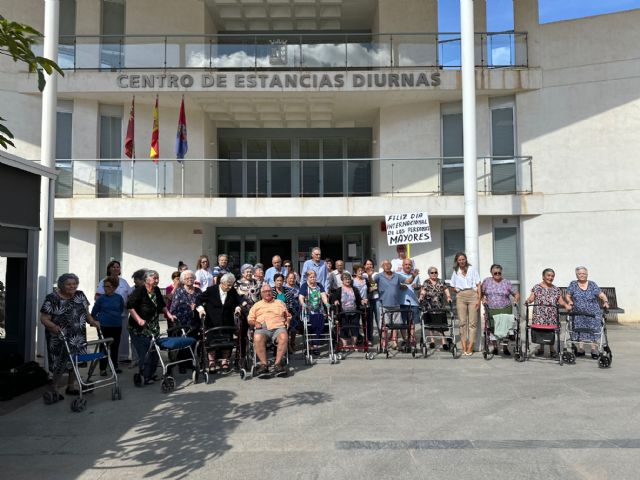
(423, 347)
(78, 405)
(454, 351)
(195, 376)
(244, 375)
(604, 361)
(168, 385)
(205, 377)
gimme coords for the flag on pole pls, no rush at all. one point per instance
(129, 145)
(181, 136)
(155, 134)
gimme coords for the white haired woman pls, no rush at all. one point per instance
(65, 310)
(184, 301)
(584, 296)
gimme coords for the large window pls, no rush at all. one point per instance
(453, 242)
(503, 164)
(110, 247)
(452, 150)
(66, 32)
(60, 252)
(111, 52)
(325, 162)
(64, 182)
(505, 250)
(109, 173)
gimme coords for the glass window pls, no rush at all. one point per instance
(452, 151)
(60, 253)
(505, 251)
(110, 249)
(109, 173)
(113, 14)
(503, 167)
(64, 182)
(453, 243)
(230, 172)
(257, 171)
(332, 171)
(66, 33)
(359, 171)
(280, 171)
(310, 170)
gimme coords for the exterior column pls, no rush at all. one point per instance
(469, 132)
(47, 159)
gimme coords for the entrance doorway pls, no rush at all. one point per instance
(331, 246)
(271, 247)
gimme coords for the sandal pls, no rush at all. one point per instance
(224, 367)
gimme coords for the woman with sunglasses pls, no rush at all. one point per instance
(496, 297)
(432, 298)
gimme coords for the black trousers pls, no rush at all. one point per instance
(113, 332)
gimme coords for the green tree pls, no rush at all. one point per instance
(16, 40)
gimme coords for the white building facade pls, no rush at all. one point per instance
(308, 121)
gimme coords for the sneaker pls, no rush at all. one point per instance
(432, 345)
(149, 381)
(280, 371)
(103, 373)
(506, 352)
(262, 371)
(445, 347)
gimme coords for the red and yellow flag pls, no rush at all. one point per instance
(155, 134)
(129, 145)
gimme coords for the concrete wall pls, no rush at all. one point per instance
(582, 130)
(159, 246)
(83, 254)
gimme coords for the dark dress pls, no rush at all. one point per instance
(71, 316)
(349, 320)
(586, 301)
(149, 307)
(219, 315)
(181, 307)
(433, 299)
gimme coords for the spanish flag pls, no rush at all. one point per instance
(155, 134)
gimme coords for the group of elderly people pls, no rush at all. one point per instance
(271, 303)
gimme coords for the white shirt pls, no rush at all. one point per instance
(223, 295)
(334, 281)
(204, 279)
(463, 282)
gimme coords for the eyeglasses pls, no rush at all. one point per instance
(433, 273)
(497, 274)
(287, 265)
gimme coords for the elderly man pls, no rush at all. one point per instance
(221, 268)
(334, 280)
(270, 319)
(317, 265)
(409, 299)
(276, 261)
(390, 286)
(396, 263)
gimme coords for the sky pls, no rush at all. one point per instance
(500, 12)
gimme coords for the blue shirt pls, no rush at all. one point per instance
(409, 296)
(108, 310)
(319, 268)
(389, 288)
(271, 272)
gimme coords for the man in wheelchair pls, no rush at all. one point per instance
(270, 319)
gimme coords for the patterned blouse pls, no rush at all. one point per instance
(181, 307)
(546, 313)
(432, 295)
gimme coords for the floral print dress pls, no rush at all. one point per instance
(586, 301)
(71, 316)
(546, 299)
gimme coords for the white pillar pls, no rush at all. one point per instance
(48, 159)
(469, 132)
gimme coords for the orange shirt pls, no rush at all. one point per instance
(270, 315)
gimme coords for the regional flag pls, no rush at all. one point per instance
(129, 145)
(155, 134)
(181, 136)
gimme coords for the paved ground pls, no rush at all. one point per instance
(395, 418)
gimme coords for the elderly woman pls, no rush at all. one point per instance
(123, 289)
(496, 294)
(293, 289)
(546, 296)
(184, 301)
(145, 304)
(204, 277)
(584, 296)
(466, 282)
(349, 300)
(247, 288)
(312, 296)
(217, 306)
(433, 295)
(65, 310)
(373, 295)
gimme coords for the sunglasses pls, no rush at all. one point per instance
(433, 273)
(497, 274)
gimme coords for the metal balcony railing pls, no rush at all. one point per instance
(287, 51)
(287, 178)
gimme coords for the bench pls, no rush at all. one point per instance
(610, 292)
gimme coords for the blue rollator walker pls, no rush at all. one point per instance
(87, 385)
(170, 345)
